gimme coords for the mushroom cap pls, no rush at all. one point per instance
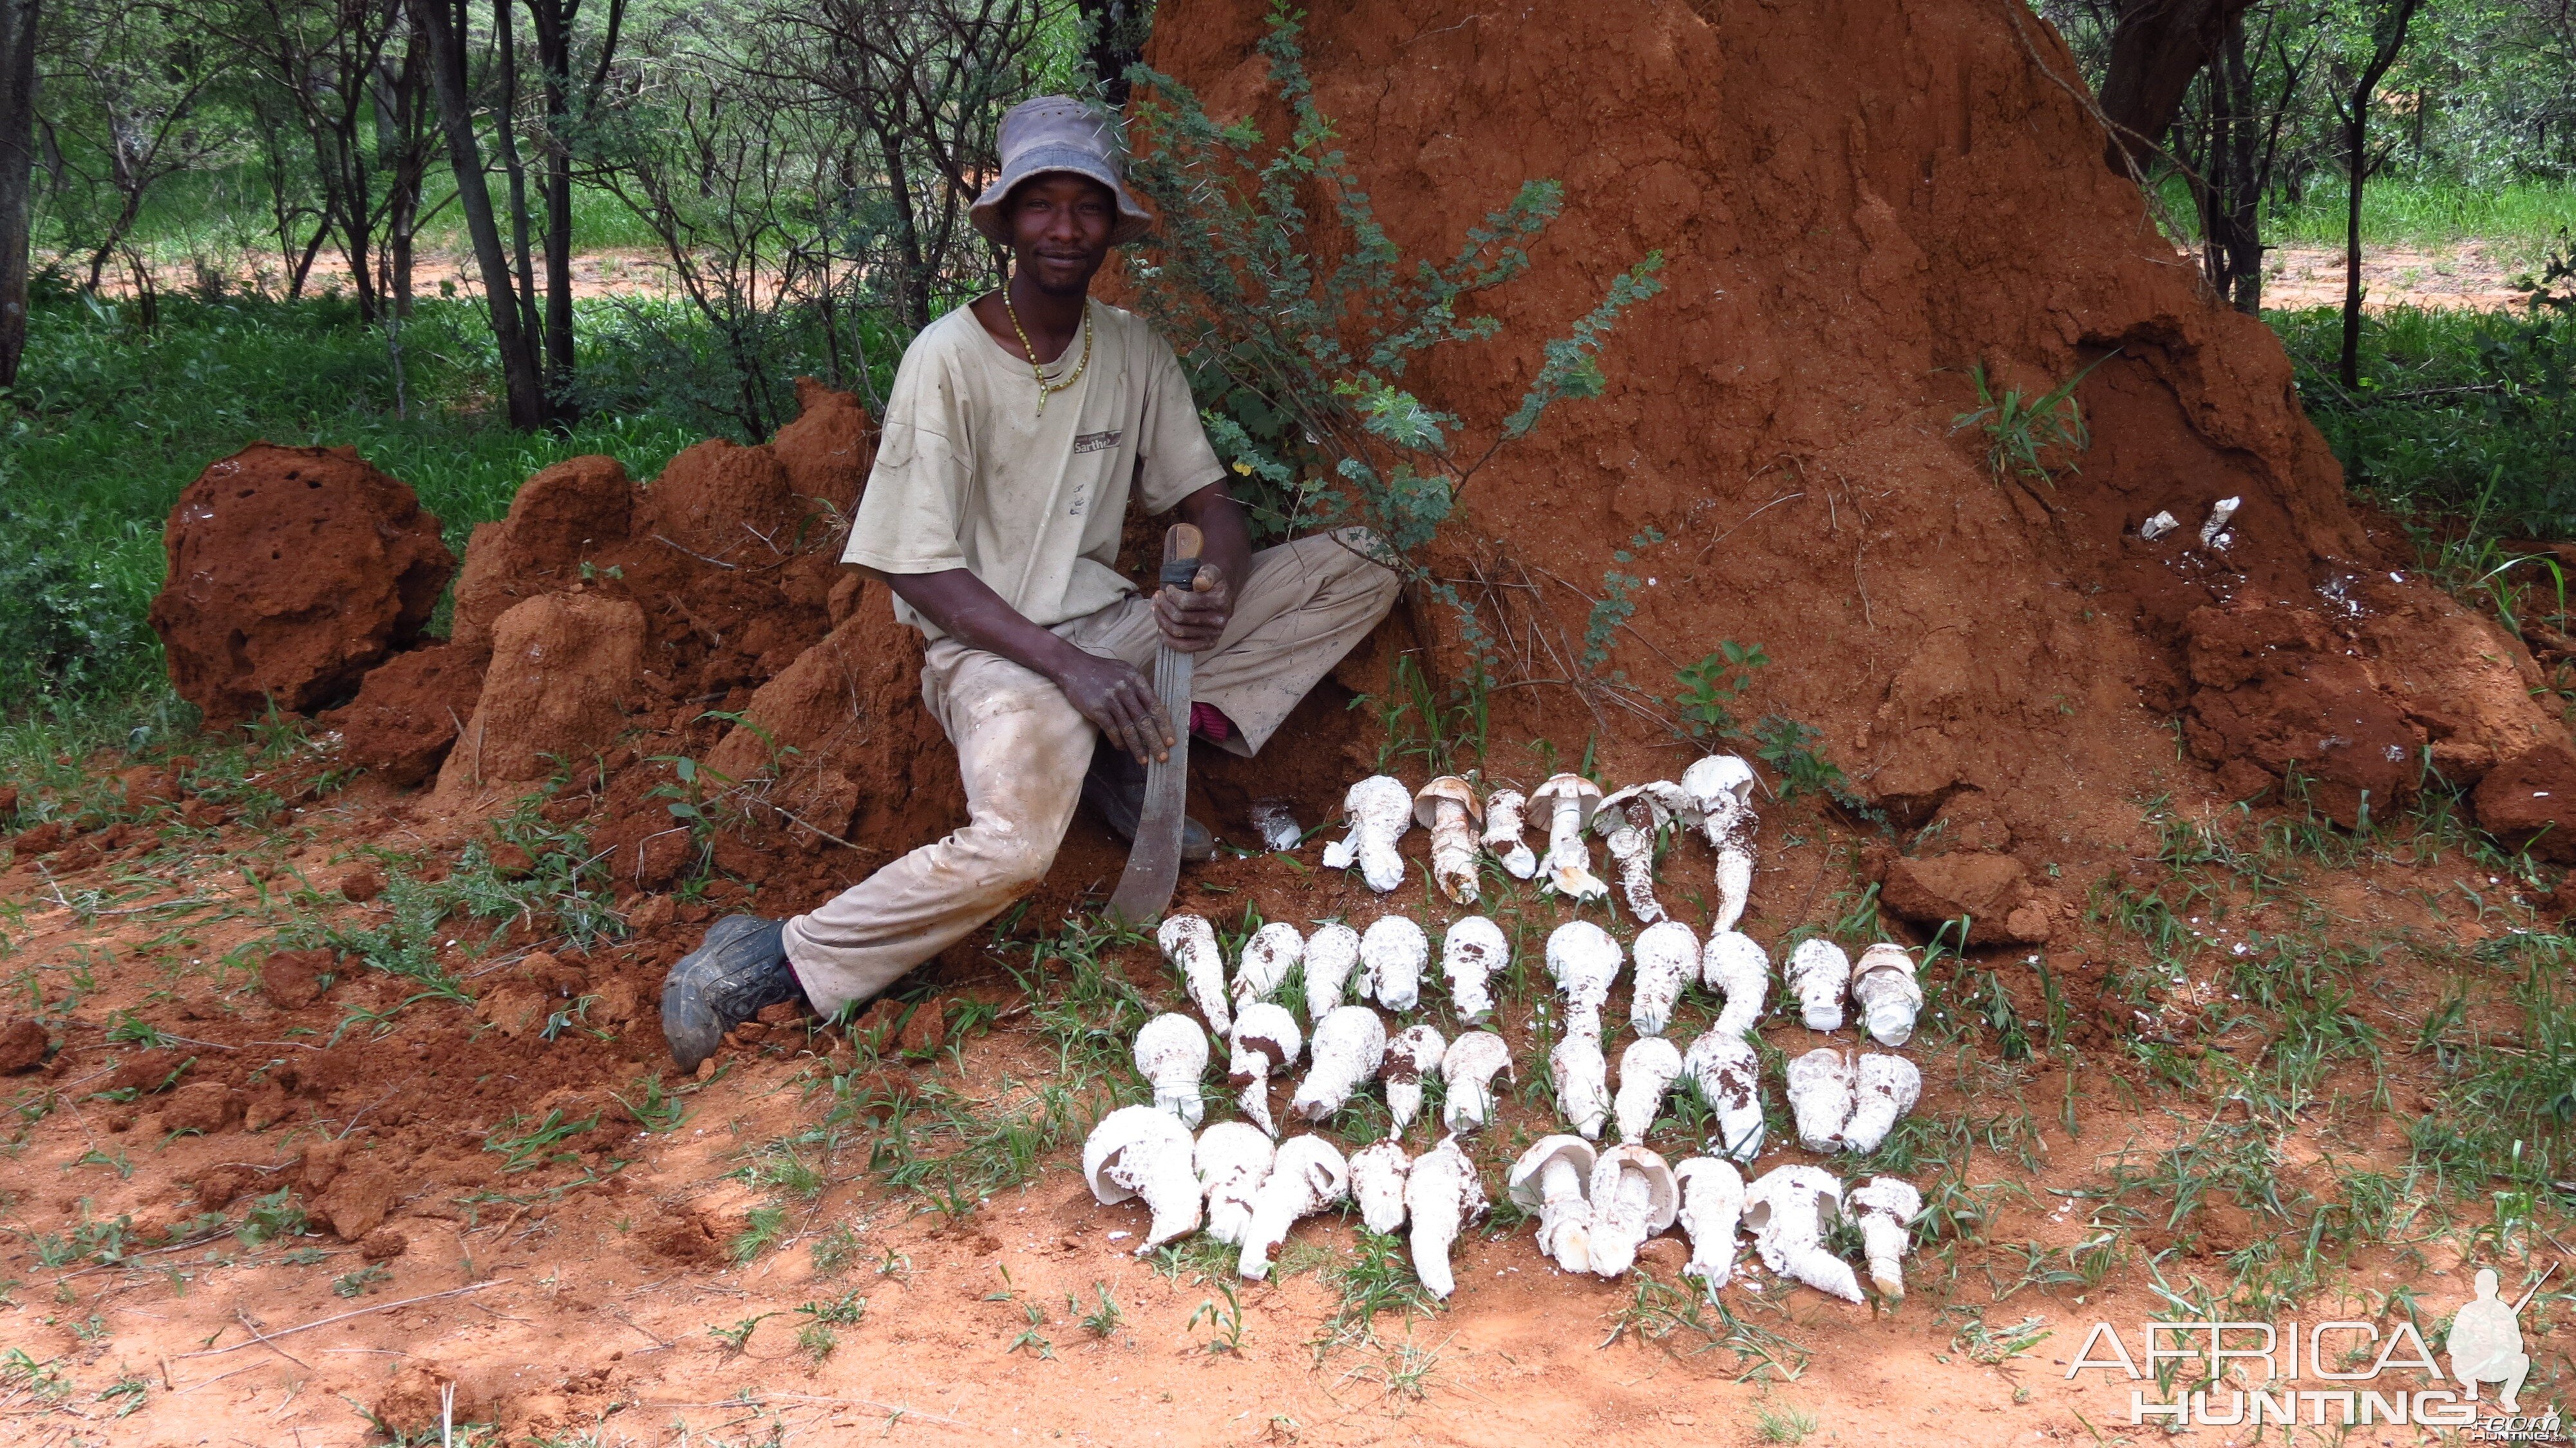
(1268, 1023)
(1426, 805)
(1123, 1130)
(1170, 1036)
(1663, 1192)
(1396, 932)
(1721, 1177)
(1470, 932)
(1527, 1172)
(1377, 792)
(1613, 805)
(1230, 1144)
(1475, 1056)
(1583, 792)
(1179, 930)
(1579, 942)
(1655, 1054)
(1361, 1028)
(1414, 1051)
(1310, 1152)
(1817, 953)
(1732, 949)
(1716, 774)
(1892, 1196)
(1788, 1186)
(1885, 955)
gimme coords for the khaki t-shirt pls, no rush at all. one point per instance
(969, 474)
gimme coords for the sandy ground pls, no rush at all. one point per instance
(2464, 277)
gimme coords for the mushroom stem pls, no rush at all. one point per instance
(1348, 1048)
(1441, 1195)
(1565, 1217)
(1392, 955)
(1470, 953)
(1582, 1084)
(1820, 973)
(1468, 1068)
(1414, 1051)
(1172, 1054)
(1308, 1175)
(1189, 943)
(1380, 810)
(1734, 884)
(1886, 1208)
(1890, 998)
(1647, 1070)
(1331, 958)
(1789, 1209)
(1504, 813)
(1569, 858)
(1727, 1075)
(1231, 1159)
(1378, 1174)
(1666, 955)
(1885, 1088)
(1712, 1203)
(1820, 1097)
(1735, 967)
(1273, 951)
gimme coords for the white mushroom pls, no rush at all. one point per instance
(1442, 1195)
(1628, 820)
(1503, 822)
(1820, 1096)
(1551, 1178)
(1377, 1184)
(1468, 1069)
(1647, 1070)
(1414, 1053)
(1331, 958)
(1633, 1197)
(1140, 1151)
(1582, 1083)
(2216, 528)
(1266, 1041)
(1447, 807)
(1172, 1054)
(1470, 953)
(1307, 1176)
(1886, 1208)
(1789, 1210)
(1667, 956)
(1189, 943)
(1392, 955)
(1274, 821)
(1381, 810)
(1884, 1089)
(1232, 1158)
(1728, 1077)
(1716, 797)
(1712, 1205)
(2158, 526)
(1889, 997)
(1737, 970)
(1272, 952)
(1348, 1047)
(1566, 803)
(1821, 975)
(1583, 961)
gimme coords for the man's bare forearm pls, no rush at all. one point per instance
(967, 609)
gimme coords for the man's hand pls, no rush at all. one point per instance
(1192, 619)
(1121, 701)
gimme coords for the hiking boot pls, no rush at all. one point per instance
(1114, 787)
(740, 968)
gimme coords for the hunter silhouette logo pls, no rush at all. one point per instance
(2486, 1342)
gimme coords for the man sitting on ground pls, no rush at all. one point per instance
(1016, 427)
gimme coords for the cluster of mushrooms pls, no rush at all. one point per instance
(1595, 1206)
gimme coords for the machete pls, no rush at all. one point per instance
(1154, 862)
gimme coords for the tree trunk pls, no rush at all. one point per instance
(553, 22)
(17, 175)
(2238, 231)
(505, 126)
(522, 385)
(1114, 34)
(2388, 37)
(2157, 47)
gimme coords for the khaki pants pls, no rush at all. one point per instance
(1023, 749)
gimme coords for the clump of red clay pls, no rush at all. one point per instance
(292, 572)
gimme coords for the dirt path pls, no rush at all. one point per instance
(2465, 277)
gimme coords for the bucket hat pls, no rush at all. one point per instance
(1058, 133)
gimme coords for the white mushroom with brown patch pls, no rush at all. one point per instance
(1172, 1055)
(1885, 1208)
(1550, 1179)
(1633, 1197)
(1647, 1069)
(1380, 810)
(1415, 1052)
(1712, 1206)
(1505, 813)
(1447, 807)
(1377, 1184)
(1883, 1090)
(1582, 1084)
(1306, 1176)
(1393, 952)
(1583, 960)
(1883, 985)
(1441, 1195)
(1820, 974)
(1470, 952)
(1231, 1159)
(1467, 1071)
(1273, 951)
(1628, 821)
(1820, 1097)
(1332, 959)
(1189, 943)
(1349, 1046)
(1565, 804)
(1789, 1210)
(1667, 957)
(1265, 1042)
(1716, 797)
(1139, 1151)
(1739, 972)
(1727, 1074)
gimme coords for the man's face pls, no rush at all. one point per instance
(1060, 227)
